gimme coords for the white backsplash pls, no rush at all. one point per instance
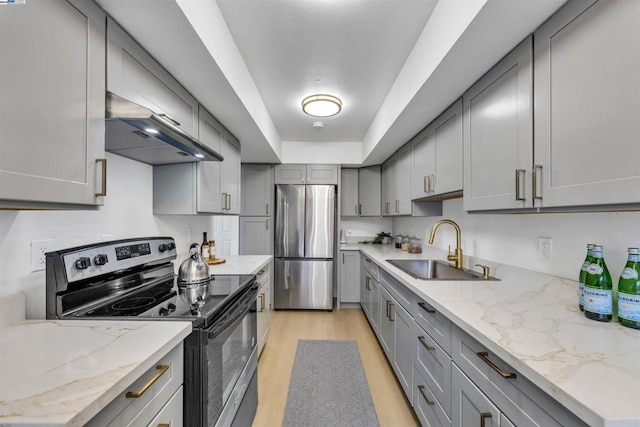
(364, 228)
(128, 212)
(513, 238)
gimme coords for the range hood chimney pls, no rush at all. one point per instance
(138, 133)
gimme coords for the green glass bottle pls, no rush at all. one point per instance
(629, 291)
(598, 289)
(583, 275)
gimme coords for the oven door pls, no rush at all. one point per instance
(230, 354)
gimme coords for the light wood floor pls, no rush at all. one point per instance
(276, 362)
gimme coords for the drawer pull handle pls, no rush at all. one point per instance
(425, 308)
(424, 343)
(261, 296)
(388, 315)
(164, 425)
(260, 273)
(483, 417)
(391, 305)
(424, 396)
(485, 358)
(161, 370)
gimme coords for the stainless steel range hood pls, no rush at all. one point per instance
(138, 133)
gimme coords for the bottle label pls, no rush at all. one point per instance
(629, 273)
(585, 266)
(629, 306)
(598, 300)
(581, 294)
(594, 269)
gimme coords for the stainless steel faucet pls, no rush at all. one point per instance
(457, 257)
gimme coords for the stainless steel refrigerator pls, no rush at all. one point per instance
(304, 235)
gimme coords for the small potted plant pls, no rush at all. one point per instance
(383, 238)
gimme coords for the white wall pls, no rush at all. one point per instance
(512, 238)
(127, 213)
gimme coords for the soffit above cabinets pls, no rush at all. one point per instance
(395, 64)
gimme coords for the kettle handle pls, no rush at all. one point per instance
(192, 247)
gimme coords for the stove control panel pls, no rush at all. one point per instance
(107, 257)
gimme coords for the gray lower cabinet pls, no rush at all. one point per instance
(404, 351)
(256, 235)
(470, 405)
(52, 125)
(386, 334)
(434, 364)
(425, 405)
(263, 306)
(369, 293)
(349, 276)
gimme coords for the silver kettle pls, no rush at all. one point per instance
(193, 270)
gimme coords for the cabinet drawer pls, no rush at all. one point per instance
(168, 374)
(434, 323)
(401, 293)
(471, 407)
(172, 413)
(435, 367)
(371, 267)
(426, 406)
(520, 400)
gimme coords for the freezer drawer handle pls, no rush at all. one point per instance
(136, 394)
(424, 396)
(485, 358)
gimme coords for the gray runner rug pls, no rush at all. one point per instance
(328, 387)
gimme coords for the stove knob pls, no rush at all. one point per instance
(100, 259)
(171, 246)
(171, 307)
(162, 247)
(163, 311)
(83, 263)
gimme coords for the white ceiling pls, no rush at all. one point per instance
(395, 63)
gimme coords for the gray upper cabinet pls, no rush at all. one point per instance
(306, 174)
(133, 74)
(52, 60)
(256, 235)
(201, 187)
(436, 156)
(257, 190)
(498, 135)
(587, 105)
(360, 191)
(349, 201)
(396, 183)
(230, 174)
(369, 191)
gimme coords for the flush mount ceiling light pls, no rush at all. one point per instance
(321, 105)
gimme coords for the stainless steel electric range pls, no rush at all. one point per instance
(134, 279)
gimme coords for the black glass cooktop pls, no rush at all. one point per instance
(168, 300)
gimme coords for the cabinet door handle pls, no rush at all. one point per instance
(359, 209)
(519, 185)
(103, 188)
(424, 396)
(224, 201)
(535, 182)
(386, 207)
(164, 425)
(261, 296)
(483, 417)
(388, 315)
(425, 308)
(267, 209)
(424, 343)
(398, 206)
(266, 223)
(425, 185)
(366, 283)
(391, 305)
(343, 257)
(171, 119)
(161, 369)
(229, 201)
(431, 179)
(485, 358)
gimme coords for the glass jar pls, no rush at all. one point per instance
(415, 246)
(397, 240)
(405, 243)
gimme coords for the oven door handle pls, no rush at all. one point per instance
(234, 315)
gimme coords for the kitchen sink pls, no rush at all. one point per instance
(429, 269)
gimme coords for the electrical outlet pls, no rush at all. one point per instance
(38, 250)
(544, 249)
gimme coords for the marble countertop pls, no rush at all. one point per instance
(531, 320)
(241, 264)
(63, 373)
